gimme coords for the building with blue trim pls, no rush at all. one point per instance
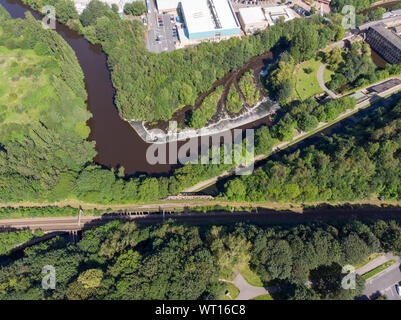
(209, 19)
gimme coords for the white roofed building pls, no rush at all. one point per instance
(274, 13)
(167, 5)
(209, 19)
(253, 19)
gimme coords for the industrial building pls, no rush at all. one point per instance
(274, 13)
(167, 5)
(209, 19)
(253, 19)
(385, 42)
(80, 5)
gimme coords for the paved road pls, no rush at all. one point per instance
(376, 262)
(384, 283)
(320, 79)
(246, 290)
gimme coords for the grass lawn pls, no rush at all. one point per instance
(232, 290)
(306, 84)
(21, 101)
(263, 297)
(379, 269)
(250, 276)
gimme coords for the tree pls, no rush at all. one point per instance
(91, 278)
(354, 249)
(307, 122)
(236, 190)
(275, 260)
(264, 141)
(65, 11)
(94, 10)
(135, 8)
(115, 8)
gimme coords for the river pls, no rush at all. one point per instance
(117, 143)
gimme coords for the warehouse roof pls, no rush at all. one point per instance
(252, 15)
(388, 35)
(167, 4)
(207, 15)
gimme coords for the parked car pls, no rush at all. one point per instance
(398, 289)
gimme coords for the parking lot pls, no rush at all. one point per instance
(160, 36)
(384, 283)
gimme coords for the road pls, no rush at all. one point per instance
(247, 291)
(375, 263)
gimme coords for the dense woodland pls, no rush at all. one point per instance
(123, 261)
(360, 163)
(43, 144)
(10, 239)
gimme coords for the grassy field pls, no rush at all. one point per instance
(30, 89)
(379, 269)
(22, 101)
(306, 84)
(233, 292)
(250, 276)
